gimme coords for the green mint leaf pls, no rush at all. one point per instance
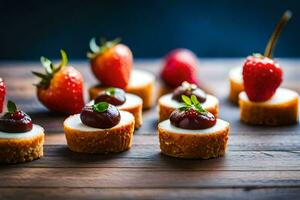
(194, 100)
(192, 103)
(11, 107)
(186, 100)
(111, 91)
(93, 46)
(100, 107)
(200, 109)
(64, 58)
(183, 108)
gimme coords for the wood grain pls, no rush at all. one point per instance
(145, 178)
(261, 162)
(153, 193)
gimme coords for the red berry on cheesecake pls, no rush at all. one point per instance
(180, 65)
(61, 87)
(14, 120)
(262, 76)
(192, 115)
(111, 62)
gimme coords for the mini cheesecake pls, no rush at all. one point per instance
(192, 132)
(87, 139)
(184, 143)
(21, 147)
(134, 105)
(281, 109)
(123, 101)
(236, 84)
(167, 104)
(20, 140)
(141, 83)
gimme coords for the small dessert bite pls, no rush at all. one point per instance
(111, 63)
(236, 84)
(123, 101)
(263, 103)
(192, 132)
(20, 139)
(281, 109)
(99, 128)
(170, 102)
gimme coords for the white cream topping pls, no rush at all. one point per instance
(220, 125)
(236, 74)
(281, 95)
(74, 122)
(211, 101)
(140, 77)
(36, 130)
(131, 101)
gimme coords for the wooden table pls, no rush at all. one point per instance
(261, 162)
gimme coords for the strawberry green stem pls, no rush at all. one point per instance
(275, 35)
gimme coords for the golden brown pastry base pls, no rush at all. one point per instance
(273, 115)
(165, 111)
(193, 146)
(235, 89)
(103, 141)
(145, 91)
(19, 150)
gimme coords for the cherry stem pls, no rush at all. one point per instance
(275, 35)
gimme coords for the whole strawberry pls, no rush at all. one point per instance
(180, 65)
(262, 75)
(2, 94)
(111, 62)
(61, 87)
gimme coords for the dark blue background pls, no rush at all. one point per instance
(29, 29)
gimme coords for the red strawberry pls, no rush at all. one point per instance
(180, 65)
(262, 76)
(61, 87)
(111, 62)
(2, 94)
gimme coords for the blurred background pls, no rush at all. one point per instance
(210, 28)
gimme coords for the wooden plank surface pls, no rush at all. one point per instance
(261, 162)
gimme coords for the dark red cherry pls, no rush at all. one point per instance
(16, 122)
(114, 96)
(188, 90)
(101, 115)
(192, 119)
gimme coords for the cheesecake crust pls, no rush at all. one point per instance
(20, 150)
(193, 146)
(285, 113)
(102, 141)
